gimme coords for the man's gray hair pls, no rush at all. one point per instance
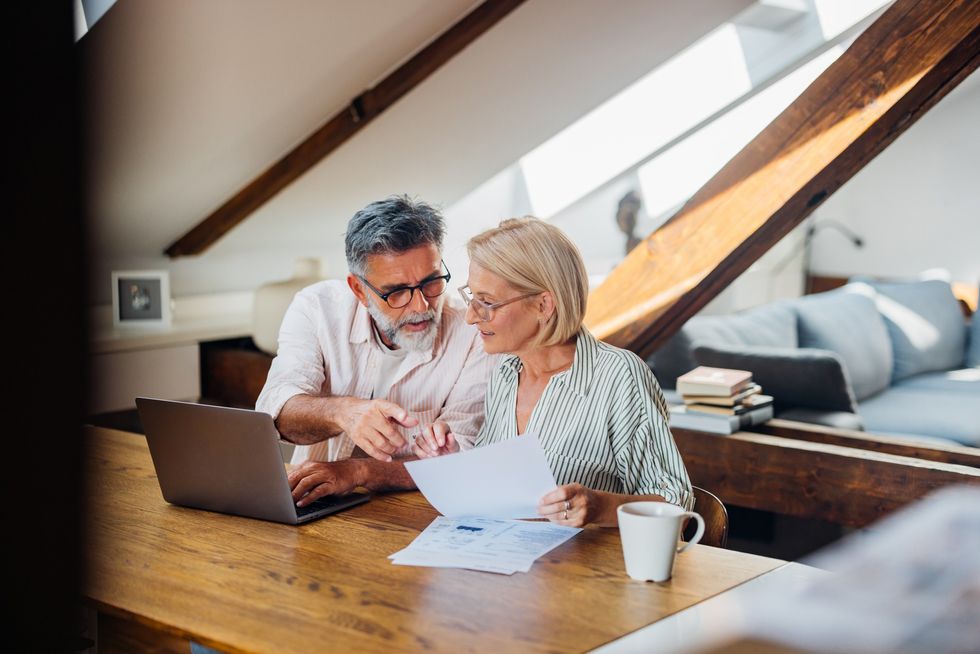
(396, 224)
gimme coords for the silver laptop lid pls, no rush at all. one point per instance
(219, 459)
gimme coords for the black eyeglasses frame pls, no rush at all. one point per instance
(418, 287)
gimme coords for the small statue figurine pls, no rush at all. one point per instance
(629, 206)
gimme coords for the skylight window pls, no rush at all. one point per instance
(669, 179)
(87, 12)
(693, 87)
(836, 16)
(685, 90)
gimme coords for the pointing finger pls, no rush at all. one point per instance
(394, 412)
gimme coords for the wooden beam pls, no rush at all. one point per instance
(361, 111)
(927, 450)
(837, 484)
(904, 63)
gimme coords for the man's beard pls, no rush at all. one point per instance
(392, 332)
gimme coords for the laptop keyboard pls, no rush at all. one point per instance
(322, 503)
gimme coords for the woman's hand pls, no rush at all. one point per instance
(573, 505)
(435, 440)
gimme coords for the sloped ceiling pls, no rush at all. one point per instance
(188, 101)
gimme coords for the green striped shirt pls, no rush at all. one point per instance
(602, 423)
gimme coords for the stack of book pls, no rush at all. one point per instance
(719, 400)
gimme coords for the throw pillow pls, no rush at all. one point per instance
(771, 324)
(847, 322)
(925, 325)
(795, 377)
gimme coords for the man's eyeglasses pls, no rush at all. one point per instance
(400, 297)
(484, 310)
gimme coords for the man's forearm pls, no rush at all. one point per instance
(383, 475)
(305, 419)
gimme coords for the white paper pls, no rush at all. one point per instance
(478, 543)
(503, 480)
(436, 560)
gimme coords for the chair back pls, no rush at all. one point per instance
(715, 518)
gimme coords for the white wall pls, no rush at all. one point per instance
(917, 205)
(502, 196)
(536, 71)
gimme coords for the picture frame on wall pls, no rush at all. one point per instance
(141, 298)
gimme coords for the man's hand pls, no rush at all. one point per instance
(435, 440)
(315, 479)
(371, 424)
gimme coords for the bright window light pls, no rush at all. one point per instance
(682, 92)
(669, 179)
(87, 12)
(835, 16)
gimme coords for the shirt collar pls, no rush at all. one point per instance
(578, 378)
(360, 331)
(512, 364)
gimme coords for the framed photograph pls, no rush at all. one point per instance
(141, 298)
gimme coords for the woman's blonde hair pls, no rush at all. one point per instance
(534, 256)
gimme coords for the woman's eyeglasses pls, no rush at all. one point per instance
(484, 310)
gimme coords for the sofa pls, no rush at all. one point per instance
(894, 358)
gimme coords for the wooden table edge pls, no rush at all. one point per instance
(782, 565)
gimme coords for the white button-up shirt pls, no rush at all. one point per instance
(327, 348)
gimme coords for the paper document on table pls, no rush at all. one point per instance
(478, 543)
(504, 480)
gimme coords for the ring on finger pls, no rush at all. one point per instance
(565, 515)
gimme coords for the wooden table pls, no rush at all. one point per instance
(246, 585)
(724, 618)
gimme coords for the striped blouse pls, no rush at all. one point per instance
(602, 423)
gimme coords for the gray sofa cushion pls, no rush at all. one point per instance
(847, 322)
(795, 377)
(973, 351)
(836, 419)
(772, 325)
(964, 380)
(925, 325)
(923, 412)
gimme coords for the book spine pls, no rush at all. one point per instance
(755, 416)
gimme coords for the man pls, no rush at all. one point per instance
(366, 365)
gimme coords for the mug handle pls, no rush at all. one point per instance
(697, 535)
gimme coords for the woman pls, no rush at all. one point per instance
(597, 410)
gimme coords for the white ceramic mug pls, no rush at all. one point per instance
(650, 532)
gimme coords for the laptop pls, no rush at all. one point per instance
(226, 460)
